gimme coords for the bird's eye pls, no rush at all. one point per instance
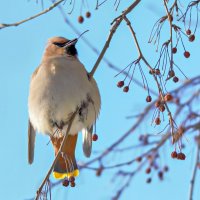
(59, 44)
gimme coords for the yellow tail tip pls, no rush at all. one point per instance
(58, 175)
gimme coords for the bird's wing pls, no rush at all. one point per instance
(87, 141)
(31, 142)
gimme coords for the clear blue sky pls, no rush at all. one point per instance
(20, 52)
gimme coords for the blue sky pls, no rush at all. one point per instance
(21, 50)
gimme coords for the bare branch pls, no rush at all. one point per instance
(116, 24)
(3, 25)
(57, 156)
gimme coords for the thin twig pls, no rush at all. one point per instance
(192, 182)
(3, 25)
(57, 156)
(116, 24)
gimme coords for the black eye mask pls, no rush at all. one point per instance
(60, 44)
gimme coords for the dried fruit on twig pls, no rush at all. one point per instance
(175, 79)
(174, 154)
(181, 156)
(157, 120)
(80, 19)
(65, 183)
(188, 32)
(120, 84)
(168, 97)
(88, 14)
(174, 50)
(148, 170)
(162, 108)
(191, 38)
(126, 89)
(187, 54)
(94, 137)
(148, 99)
(171, 73)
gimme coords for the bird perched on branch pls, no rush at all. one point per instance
(59, 87)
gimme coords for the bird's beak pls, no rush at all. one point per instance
(71, 42)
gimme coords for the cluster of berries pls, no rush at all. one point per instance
(81, 18)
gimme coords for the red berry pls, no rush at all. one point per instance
(157, 120)
(181, 156)
(148, 99)
(160, 175)
(148, 170)
(126, 89)
(188, 32)
(99, 171)
(94, 137)
(174, 154)
(174, 50)
(175, 79)
(71, 179)
(65, 183)
(162, 108)
(191, 38)
(148, 180)
(157, 71)
(166, 168)
(72, 184)
(80, 19)
(139, 159)
(187, 54)
(168, 97)
(88, 14)
(120, 84)
(152, 71)
(171, 73)
(157, 104)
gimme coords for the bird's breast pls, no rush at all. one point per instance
(60, 86)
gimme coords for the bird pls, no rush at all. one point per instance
(58, 87)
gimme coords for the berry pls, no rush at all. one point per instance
(187, 54)
(160, 175)
(148, 180)
(126, 89)
(166, 168)
(191, 38)
(157, 104)
(148, 99)
(174, 50)
(120, 84)
(88, 14)
(80, 19)
(157, 71)
(99, 171)
(157, 121)
(139, 159)
(174, 154)
(152, 71)
(188, 32)
(65, 183)
(148, 170)
(71, 179)
(175, 79)
(168, 97)
(162, 108)
(72, 184)
(181, 156)
(171, 73)
(94, 137)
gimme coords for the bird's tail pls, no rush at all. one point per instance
(66, 165)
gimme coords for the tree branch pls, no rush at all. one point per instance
(116, 24)
(57, 156)
(3, 25)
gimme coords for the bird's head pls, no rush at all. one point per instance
(58, 46)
